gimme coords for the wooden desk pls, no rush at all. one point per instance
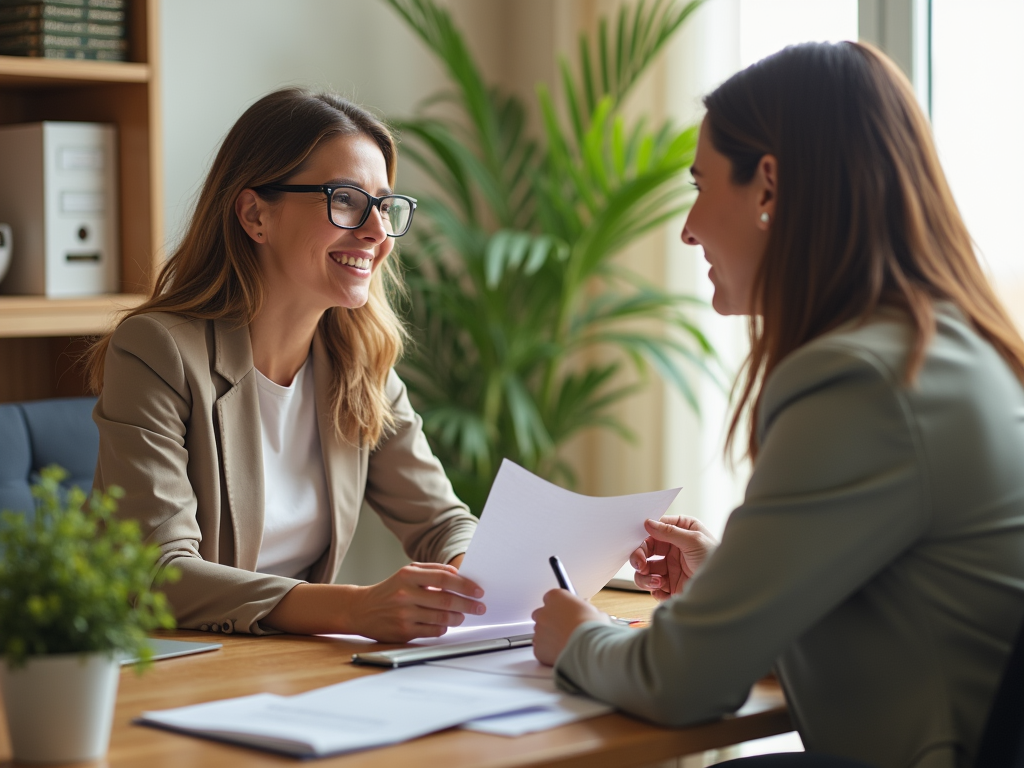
(293, 664)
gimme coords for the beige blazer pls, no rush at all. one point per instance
(877, 560)
(179, 426)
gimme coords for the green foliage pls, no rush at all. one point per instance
(73, 579)
(512, 281)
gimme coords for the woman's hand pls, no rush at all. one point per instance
(683, 543)
(419, 600)
(555, 622)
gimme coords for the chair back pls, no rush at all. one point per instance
(36, 434)
(1002, 741)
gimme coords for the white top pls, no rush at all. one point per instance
(296, 506)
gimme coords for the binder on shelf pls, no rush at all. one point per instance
(59, 193)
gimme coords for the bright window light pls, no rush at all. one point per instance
(977, 113)
(767, 26)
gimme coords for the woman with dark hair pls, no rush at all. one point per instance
(877, 561)
(249, 407)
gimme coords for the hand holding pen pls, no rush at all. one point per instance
(565, 583)
(562, 612)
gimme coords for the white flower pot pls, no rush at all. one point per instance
(60, 707)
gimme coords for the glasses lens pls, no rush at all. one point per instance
(348, 206)
(396, 213)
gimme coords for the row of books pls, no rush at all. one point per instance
(64, 29)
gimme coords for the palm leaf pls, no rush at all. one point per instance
(511, 279)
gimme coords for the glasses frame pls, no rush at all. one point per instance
(329, 190)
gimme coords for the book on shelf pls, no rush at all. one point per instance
(56, 12)
(113, 5)
(69, 53)
(63, 29)
(57, 27)
(19, 43)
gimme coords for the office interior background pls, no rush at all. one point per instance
(219, 57)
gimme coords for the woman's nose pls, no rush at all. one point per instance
(373, 229)
(687, 236)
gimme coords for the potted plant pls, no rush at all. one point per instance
(511, 272)
(75, 594)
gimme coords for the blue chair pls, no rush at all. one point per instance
(36, 434)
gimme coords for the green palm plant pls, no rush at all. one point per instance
(511, 275)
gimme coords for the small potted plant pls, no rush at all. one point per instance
(76, 595)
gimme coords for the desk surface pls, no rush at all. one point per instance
(293, 664)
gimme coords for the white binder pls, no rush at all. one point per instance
(58, 191)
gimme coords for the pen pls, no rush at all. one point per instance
(564, 583)
(561, 575)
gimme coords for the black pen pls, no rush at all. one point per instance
(561, 575)
(564, 583)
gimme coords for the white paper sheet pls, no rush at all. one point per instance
(569, 709)
(369, 712)
(527, 519)
(516, 662)
(516, 669)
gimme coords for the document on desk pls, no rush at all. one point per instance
(517, 669)
(372, 711)
(526, 520)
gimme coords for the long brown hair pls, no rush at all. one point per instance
(864, 216)
(214, 272)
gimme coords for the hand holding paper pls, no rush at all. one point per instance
(525, 519)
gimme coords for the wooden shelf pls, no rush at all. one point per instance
(36, 73)
(24, 316)
(43, 341)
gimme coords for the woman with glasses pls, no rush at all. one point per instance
(250, 405)
(877, 560)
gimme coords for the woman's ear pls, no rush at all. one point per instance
(251, 212)
(766, 181)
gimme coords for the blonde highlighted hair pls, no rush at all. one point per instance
(214, 273)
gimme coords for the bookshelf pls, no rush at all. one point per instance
(41, 338)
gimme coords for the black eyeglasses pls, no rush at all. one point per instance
(348, 206)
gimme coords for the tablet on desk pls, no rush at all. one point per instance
(168, 649)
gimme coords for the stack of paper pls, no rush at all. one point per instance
(372, 711)
(516, 670)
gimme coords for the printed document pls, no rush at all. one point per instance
(515, 669)
(526, 520)
(372, 711)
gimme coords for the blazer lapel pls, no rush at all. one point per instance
(238, 421)
(343, 467)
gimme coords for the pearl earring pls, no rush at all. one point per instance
(260, 234)
(765, 218)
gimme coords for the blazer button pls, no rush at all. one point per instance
(228, 627)
(204, 627)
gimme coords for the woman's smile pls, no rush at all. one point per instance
(358, 262)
